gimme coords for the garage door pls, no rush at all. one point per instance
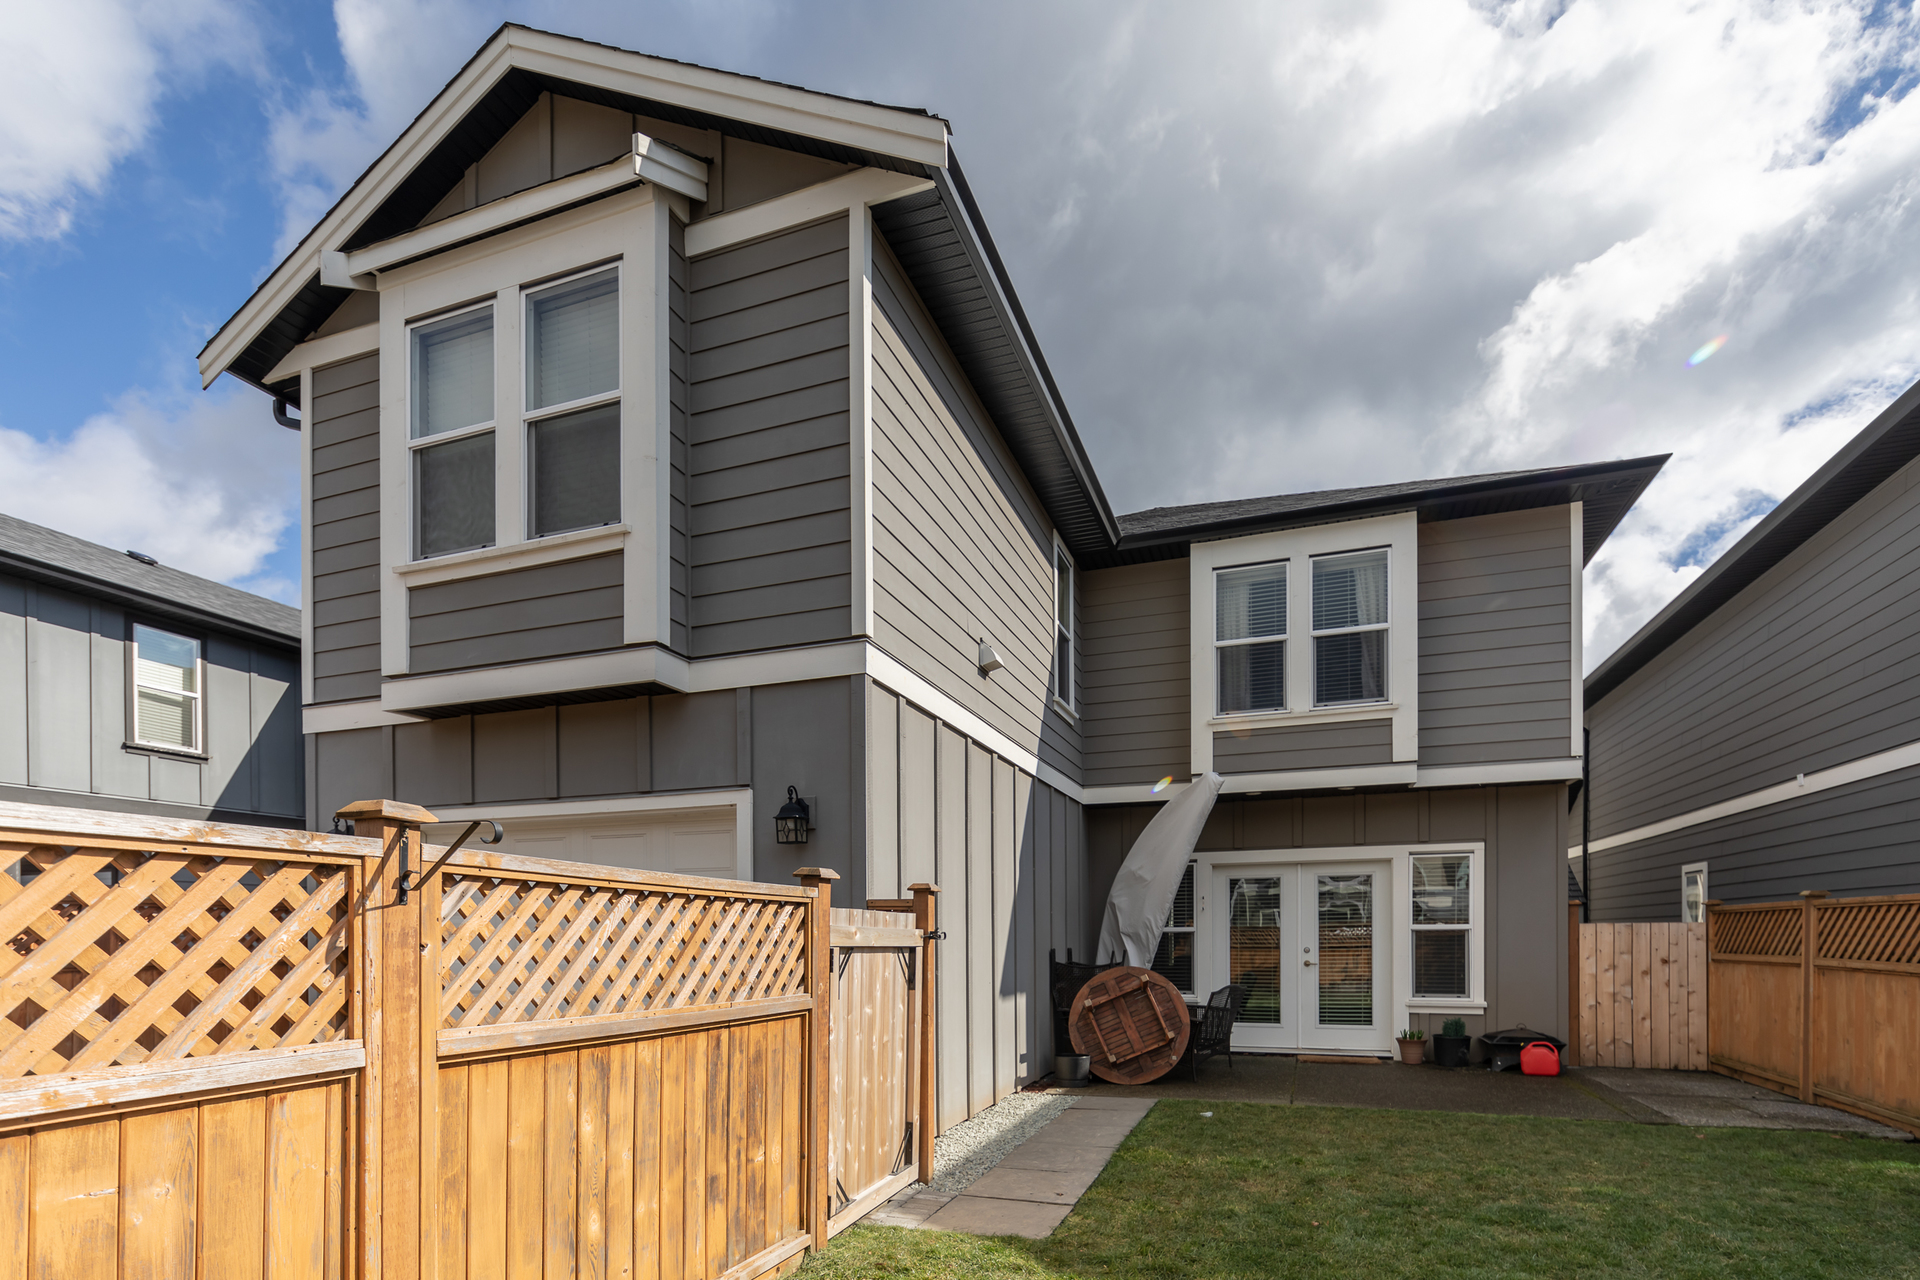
(693, 842)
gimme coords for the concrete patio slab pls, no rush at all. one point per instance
(1042, 1186)
(980, 1216)
(1038, 1153)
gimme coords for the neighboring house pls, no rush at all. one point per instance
(129, 686)
(1761, 735)
(651, 476)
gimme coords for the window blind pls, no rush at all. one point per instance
(573, 341)
(453, 374)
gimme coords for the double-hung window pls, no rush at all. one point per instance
(1442, 925)
(573, 403)
(1693, 893)
(1350, 628)
(1173, 960)
(167, 677)
(1063, 628)
(450, 432)
(1249, 638)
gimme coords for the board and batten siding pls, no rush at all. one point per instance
(345, 532)
(769, 502)
(677, 342)
(1815, 663)
(961, 549)
(1281, 748)
(63, 717)
(1496, 638)
(544, 612)
(1138, 673)
(1009, 855)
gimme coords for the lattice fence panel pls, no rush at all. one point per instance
(1872, 932)
(529, 951)
(109, 958)
(1771, 932)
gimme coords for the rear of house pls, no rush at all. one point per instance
(1761, 735)
(675, 444)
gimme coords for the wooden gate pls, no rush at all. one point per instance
(1640, 995)
(234, 1051)
(880, 1139)
(1821, 998)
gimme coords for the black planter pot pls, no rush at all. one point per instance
(1451, 1051)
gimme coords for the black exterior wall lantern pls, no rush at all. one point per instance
(790, 825)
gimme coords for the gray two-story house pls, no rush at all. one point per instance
(131, 686)
(675, 442)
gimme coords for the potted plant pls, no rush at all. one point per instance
(1413, 1046)
(1451, 1046)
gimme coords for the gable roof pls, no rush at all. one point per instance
(60, 559)
(1607, 489)
(1885, 445)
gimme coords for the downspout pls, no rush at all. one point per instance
(280, 414)
(1586, 823)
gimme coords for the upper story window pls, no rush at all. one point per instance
(166, 706)
(570, 414)
(1249, 638)
(451, 432)
(1063, 627)
(573, 404)
(1350, 628)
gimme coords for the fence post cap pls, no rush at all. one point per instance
(391, 810)
(1813, 893)
(930, 888)
(817, 873)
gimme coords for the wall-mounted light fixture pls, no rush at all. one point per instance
(791, 824)
(989, 658)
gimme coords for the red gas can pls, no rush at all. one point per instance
(1540, 1059)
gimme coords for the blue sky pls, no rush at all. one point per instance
(1274, 249)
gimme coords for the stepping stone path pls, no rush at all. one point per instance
(1036, 1185)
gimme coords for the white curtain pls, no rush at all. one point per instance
(1147, 881)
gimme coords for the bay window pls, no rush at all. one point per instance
(1249, 638)
(1350, 628)
(573, 404)
(451, 432)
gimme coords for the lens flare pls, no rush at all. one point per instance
(1700, 356)
(1162, 785)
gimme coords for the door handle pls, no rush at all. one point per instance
(1307, 963)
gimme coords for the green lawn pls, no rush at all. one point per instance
(1263, 1191)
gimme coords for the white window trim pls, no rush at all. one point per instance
(1705, 891)
(415, 443)
(1399, 892)
(199, 695)
(1068, 706)
(631, 228)
(1316, 632)
(1474, 929)
(1239, 717)
(1399, 534)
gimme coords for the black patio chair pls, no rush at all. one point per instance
(1213, 1026)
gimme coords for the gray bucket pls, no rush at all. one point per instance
(1072, 1069)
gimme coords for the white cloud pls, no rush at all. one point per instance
(204, 483)
(83, 81)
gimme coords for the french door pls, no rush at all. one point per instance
(1309, 943)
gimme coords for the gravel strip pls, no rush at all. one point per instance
(968, 1151)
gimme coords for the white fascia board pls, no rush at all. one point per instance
(862, 188)
(1363, 775)
(317, 353)
(366, 195)
(1132, 793)
(337, 716)
(887, 130)
(1502, 773)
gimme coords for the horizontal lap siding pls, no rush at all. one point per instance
(345, 534)
(1304, 746)
(1136, 636)
(1496, 638)
(961, 550)
(678, 339)
(1852, 841)
(1814, 664)
(769, 503)
(544, 612)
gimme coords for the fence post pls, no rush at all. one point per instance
(399, 1092)
(1809, 938)
(1573, 983)
(925, 919)
(819, 1046)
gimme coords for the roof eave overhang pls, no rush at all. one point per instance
(901, 138)
(1881, 448)
(140, 601)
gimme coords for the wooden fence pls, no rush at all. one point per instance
(231, 1051)
(1640, 996)
(1821, 998)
